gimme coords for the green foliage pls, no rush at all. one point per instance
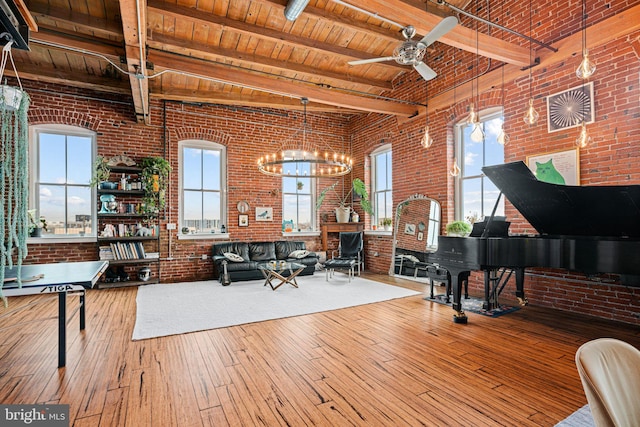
(100, 172)
(458, 227)
(357, 186)
(386, 222)
(155, 179)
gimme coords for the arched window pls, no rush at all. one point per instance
(476, 194)
(203, 189)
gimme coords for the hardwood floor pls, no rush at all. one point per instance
(401, 362)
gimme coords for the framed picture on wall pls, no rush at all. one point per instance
(264, 214)
(243, 220)
(410, 229)
(569, 108)
(559, 167)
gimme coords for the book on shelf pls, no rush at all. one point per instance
(125, 251)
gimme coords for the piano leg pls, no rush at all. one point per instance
(522, 299)
(458, 279)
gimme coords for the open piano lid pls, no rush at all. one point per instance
(554, 209)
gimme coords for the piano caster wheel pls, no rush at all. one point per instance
(523, 301)
(460, 318)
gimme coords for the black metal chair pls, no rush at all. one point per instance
(350, 255)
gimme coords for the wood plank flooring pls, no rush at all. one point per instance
(401, 362)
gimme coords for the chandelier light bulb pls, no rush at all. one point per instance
(531, 116)
(586, 67)
(455, 170)
(583, 137)
(477, 134)
(503, 138)
(426, 141)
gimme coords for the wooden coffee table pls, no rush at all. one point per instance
(274, 272)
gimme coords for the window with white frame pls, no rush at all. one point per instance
(202, 187)
(298, 207)
(476, 195)
(61, 161)
(381, 184)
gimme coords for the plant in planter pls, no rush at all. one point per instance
(155, 179)
(36, 225)
(386, 223)
(458, 228)
(101, 171)
(343, 211)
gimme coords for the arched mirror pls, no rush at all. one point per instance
(416, 231)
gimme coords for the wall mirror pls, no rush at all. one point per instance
(415, 233)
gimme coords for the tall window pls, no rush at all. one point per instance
(298, 207)
(60, 167)
(381, 179)
(203, 187)
(476, 194)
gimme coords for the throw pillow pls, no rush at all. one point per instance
(299, 254)
(410, 257)
(233, 257)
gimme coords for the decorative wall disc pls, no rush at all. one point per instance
(569, 108)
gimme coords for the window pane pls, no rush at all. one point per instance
(290, 210)
(192, 168)
(473, 157)
(79, 160)
(211, 170)
(51, 155)
(304, 213)
(52, 207)
(192, 215)
(211, 212)
(381, 172)
(78, 203)
(289, 185)
(472, 198)
(491, 194)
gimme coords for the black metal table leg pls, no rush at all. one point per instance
(62, 329)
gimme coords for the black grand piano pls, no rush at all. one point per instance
(587, 229)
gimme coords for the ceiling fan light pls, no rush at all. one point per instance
(294, 8)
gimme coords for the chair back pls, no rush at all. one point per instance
(610, 373)
(351, 244)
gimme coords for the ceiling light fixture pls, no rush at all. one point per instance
(454, 171)
(503, 138)
(294, 8)
(302, 159)
(531, 115)
(427, 140)
(586, 67)
(477, 134)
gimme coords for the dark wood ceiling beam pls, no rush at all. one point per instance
(181, 12)
(202, 50)
(253, 100)
(134, 24)
(337, 98)
(414, 12)
(97, 26)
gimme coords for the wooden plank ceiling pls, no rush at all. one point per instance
(240, 52)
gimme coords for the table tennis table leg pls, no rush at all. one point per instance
(62, 328)
(82, 303)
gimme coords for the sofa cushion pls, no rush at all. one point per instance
(240, 248)
(262, 251)
(233, 257)
(299, 253)
(285, 247)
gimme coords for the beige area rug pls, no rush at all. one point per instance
(177, 308)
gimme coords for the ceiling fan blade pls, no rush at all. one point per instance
(425, 71)
(443, 27)
(370, 61)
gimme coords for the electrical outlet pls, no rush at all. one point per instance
(204, 256)
(171, 226)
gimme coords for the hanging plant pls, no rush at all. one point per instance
(155, 179)
(101, 171)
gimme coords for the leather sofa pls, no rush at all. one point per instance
(253, 253)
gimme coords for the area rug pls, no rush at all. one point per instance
(581, 418)
(177, 308)
(474, 305)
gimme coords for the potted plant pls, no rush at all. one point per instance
(36, 225)
(458, 228)
(155, 179)
(101, 171)
(343, 211)
(386, 223)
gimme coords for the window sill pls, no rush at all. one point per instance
(61, 239)
(301, 234)
(204, 236)
(378, 233)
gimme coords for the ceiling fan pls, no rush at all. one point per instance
(411, 52)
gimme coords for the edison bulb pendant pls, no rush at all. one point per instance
(531, 115)
(477, 134)
(586, 67)
(583, 137)
(455, 170)
(426, 140)
(503, 138)
(472, 118)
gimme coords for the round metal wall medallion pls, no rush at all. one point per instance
(243, 206)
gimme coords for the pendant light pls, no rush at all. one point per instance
(454, 170)
(586, 67)
(427, 140)
(503, 138)
(531, 115)
(473, 119)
